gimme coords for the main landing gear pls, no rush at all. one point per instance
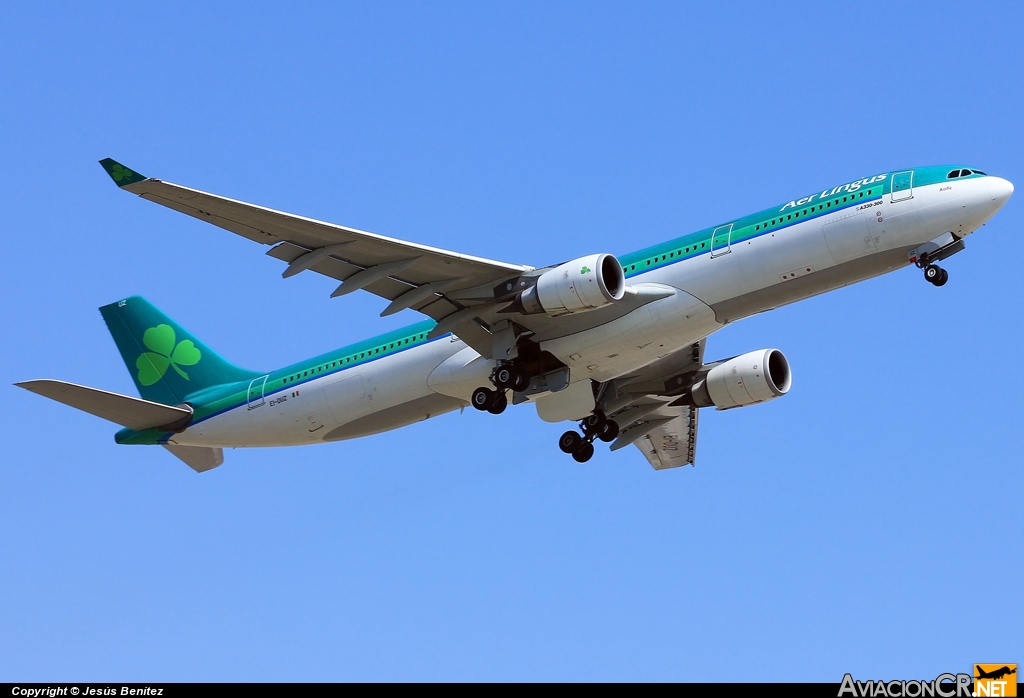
(594, 426)
(505, 377)
(508, 377)
(487, 400)
(935, 275)
(581, 446)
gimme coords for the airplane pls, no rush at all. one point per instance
(995, 674)
(615, 344)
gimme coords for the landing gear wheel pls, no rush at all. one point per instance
(935, 275)
(504, 377)
(498, 403)
(584, 453)
(609, 431)
(570, 441)
(482, 398)
(593, 423)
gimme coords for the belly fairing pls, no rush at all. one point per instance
(642, 336)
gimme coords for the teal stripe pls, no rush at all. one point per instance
(704, 236)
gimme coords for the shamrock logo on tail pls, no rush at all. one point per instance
(164, 352)
(119, 172)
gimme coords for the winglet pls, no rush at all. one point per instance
(121, 175)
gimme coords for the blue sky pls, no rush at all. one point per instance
(864, 523)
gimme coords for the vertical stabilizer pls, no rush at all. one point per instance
(167, 362)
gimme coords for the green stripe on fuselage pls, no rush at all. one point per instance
(219, 399)
(776, 218)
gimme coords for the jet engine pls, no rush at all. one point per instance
(757, 376)
(583, 284)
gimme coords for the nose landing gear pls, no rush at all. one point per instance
(594, 426)
(935, 275)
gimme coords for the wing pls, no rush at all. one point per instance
(409, 275)
(673, 441)
(461, 292)
(666, 433)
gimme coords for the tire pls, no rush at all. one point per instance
(498, 403)
(584, 453)
(482, 398)
(593, 423)
(522, 382)
(943, 278)
(504, 377)
(610, 431)
(932, 273)
(570, 441)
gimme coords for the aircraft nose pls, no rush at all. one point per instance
(1001, 190)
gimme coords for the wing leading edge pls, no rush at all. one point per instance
(407, 274)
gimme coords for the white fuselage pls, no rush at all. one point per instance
(803, 260)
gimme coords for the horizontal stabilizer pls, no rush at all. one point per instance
(131, 412)
(199, 458)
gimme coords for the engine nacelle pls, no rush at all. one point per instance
(583, 284)
(757, 376)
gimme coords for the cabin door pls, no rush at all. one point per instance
(256, 388)
(902, 186)
(721, 240)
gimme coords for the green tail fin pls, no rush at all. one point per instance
(167, 363)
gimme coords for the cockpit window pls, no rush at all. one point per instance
(964, 173)
(953, 175)
(979, 172)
